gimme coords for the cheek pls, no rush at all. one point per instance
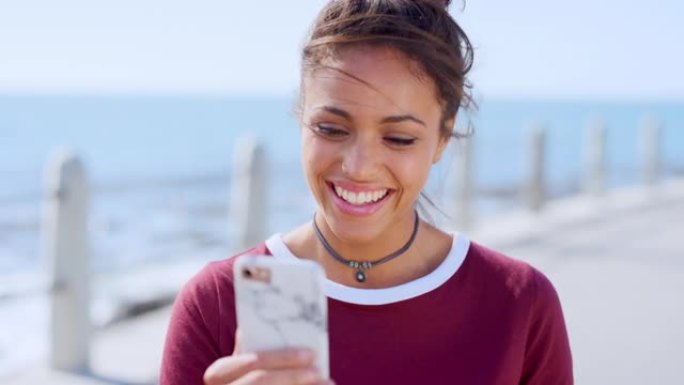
(413, 172)
(316, 154)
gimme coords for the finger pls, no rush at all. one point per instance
(231, 368)
(272, 358)
(281, 377)
(288, 358)
(227, 369)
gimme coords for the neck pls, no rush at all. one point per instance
(371, 250)
(425, 254)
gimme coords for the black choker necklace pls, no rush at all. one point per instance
(360, 267)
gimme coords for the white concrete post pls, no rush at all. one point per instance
(464, 188)
(248, 203)
(65, 235)
(594, 182)
(650, 143)
(535, 189)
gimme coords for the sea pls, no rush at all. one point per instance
(159, 169)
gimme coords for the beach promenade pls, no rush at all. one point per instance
(618, 266)
(617, 262)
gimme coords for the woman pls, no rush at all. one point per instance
(382, 82)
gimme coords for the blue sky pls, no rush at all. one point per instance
(605, 49)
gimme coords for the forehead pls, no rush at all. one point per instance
(379, 79)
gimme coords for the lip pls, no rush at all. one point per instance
(355, 188)
(349, 209)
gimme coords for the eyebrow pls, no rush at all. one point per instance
(390, 119)
(402, 118)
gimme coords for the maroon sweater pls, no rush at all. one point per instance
(494, 320)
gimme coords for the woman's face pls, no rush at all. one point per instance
(370, 134)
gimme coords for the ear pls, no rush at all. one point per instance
(443, 141)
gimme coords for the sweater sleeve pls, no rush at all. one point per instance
(548, 359)
(196, 336)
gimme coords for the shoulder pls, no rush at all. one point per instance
(217, 277)
(500, 272)
(224, 268)
(202, 323)
(222, 271)
(205, 303)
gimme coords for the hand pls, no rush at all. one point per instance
(277, 367)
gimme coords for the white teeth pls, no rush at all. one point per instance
(360, 198)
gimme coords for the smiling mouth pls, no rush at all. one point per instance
(360, 198)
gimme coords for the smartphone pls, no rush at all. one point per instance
(282, 303)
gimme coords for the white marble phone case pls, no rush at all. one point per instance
(281, 304)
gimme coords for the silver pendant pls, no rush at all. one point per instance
(360, 276)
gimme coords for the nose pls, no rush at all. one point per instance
(361, 159)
